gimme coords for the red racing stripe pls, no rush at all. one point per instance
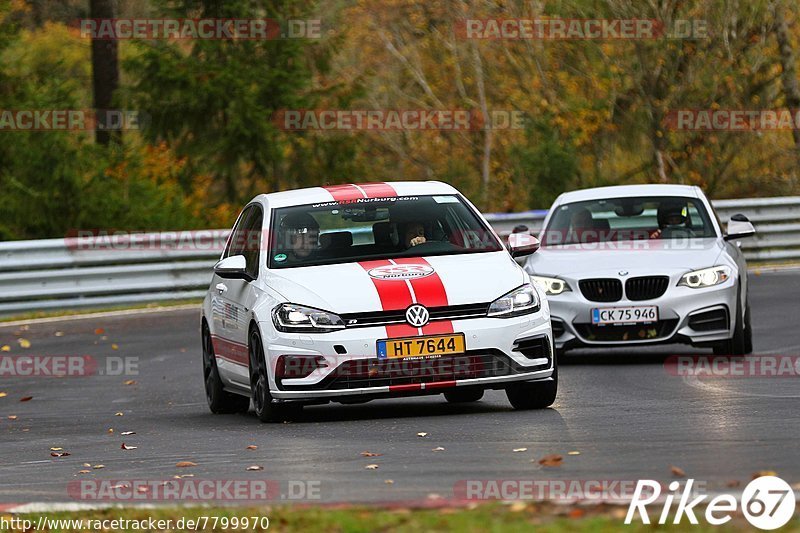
(394, 295)
(378, 190)
(344, 193)
(430, 292)
(230, 351)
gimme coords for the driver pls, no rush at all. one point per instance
(300, 232)
(672, 217)
(414, 234)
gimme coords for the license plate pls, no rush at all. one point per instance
(624, 315)
(422, 346)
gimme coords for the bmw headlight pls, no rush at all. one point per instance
(517, 302)
(706, 277)
(552, 286)
(293, 318)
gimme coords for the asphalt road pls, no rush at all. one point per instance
(623, 411)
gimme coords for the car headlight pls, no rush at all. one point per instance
(520, 301)
(552, 286)
(293, 318)
(706, 277)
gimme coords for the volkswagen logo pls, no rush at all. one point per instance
(417, 315)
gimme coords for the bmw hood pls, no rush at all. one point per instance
(382, 285)
(649, 257)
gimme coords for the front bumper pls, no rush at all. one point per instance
(499, 351)
(686, 315)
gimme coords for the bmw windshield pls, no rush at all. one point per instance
(381, 228)
(626, 219)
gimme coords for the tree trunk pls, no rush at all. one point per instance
(105, 75)
(789, 76)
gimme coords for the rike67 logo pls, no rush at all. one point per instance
(768, 502)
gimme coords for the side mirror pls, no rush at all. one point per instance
(739, 227)
(233, 267)
(521, 244)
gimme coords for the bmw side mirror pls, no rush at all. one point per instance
(233, 267)
(739, 227)
(521, 244)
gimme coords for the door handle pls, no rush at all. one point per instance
(221, 287)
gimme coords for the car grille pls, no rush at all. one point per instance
(380, 318)
(363, 373)
(627, 333)
(709, 320)
(601, 290)
(646, 288)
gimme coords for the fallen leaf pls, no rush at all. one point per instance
(87, 465)
(5, 348)
(111, 430)
(516, 507)
(183, 476)
(550, 460)
(254, 468)
(732, 484)
(576, 513)
(99, 331)
(389, 481)
(371, 467)
(422, 434)
(59, 454)
(3, 394)
(84, 471)
(185, 464)
(252, 447)
(26, 399)
(24, 343)
(438, 449)
(126, 433)
(118, 414)
(143, 489)
(114, 347)
(370, 454)
(98, 467)
(56, 449)
(574, 452)
(12, 417)
(677, 471)
(104, 338)
(130, 382)
(761, 473)
(520, 450)
(434, 496)
(126, 447)
(59, 333)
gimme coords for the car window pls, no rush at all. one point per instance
(623, 219)
(236, 242)
(383, 228)
(252, 249)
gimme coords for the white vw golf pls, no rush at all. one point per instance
(355, 292)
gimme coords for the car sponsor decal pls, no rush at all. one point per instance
(397, 293)
(230, 351)
(350, 192)
(401, 272)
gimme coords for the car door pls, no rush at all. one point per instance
(231, 297)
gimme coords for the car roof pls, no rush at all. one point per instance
(625, 191)
(312, 195)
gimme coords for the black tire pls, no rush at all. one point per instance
(736, 345)
(748, 330)
(533, 394)
(463, 395)
(266, 409)
(219, 400)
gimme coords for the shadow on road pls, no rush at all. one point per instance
(628, 356)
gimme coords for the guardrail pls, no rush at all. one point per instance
(75, 273)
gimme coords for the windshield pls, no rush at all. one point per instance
(625, 219)
(383, 228)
